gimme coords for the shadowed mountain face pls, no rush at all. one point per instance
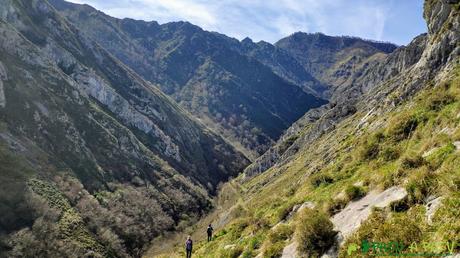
(93, 158)
(234, 87)
(239, 89)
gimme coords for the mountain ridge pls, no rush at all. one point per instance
(179, 50)
(175, 54)
(91, 151)
(392, 129)
(115, 132)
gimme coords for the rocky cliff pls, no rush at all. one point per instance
(378, 163)
(243, 96)
(99, 160)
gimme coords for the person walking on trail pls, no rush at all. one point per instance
(189, 247)
(210, 230)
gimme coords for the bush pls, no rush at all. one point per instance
(321, 179)
(255, 243)
(437, 158)
(370, 149)
(394, 178)
(232, 252)
(280, 233)
(420, 185)
(284, 211)
(314, 233)
(276, 240)
(287, 143)
(405, 227)
(446, 218)
(274, 250)
(355, 192)
(334, 206)
(236, 229)
(438, 100)
(402, 126)
(411, 162)
(389, 153)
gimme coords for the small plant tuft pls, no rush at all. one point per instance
(354, 192)
(314, 233)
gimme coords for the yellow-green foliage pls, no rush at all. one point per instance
(274, 250)
(355, 192)
(437, 158)
(280, 233)
(314, 232)
(370, 149)
(447, 221)
(276, 240)
(334, 206)
(402, 125)
(421, 184)
(411, 146)
(385, 227)
(231, 252)
(71, 225)
(50, 193)
(321, 179)
(412, 161)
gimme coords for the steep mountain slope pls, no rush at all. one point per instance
(209, 74)
(399, 132)
(333, 60)
(343, 102)
(283, 64)
(94, 159)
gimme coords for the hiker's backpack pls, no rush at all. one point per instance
(188, 244)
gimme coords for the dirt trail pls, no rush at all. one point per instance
(170, 245)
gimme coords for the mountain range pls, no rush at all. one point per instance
(116, 132)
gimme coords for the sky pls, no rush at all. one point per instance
(397, 21)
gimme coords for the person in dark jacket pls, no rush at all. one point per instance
(210, 230)
(189, 247)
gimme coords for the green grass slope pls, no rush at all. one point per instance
(414, 146)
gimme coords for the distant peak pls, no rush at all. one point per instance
(247, 40)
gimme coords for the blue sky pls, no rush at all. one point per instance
(397, 21)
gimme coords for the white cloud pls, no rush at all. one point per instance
(267, 20)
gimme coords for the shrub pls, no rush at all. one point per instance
(280, 233)
(276, 240)
(321, 179)
(411, 162)
(274, 250)
(257, 223)
(284, 211)
(314, 233)
(287, 143)
(437, 158)
(402, 126)
(438, 99)
(237, 228)
(447, 219)
(334, 206)
(389, 153)
(232, 252)
(394, 178)
(370, 149)
(355, 192)
(420, 185)
(405, 227)
(255, 243)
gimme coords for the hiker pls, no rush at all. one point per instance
(189, 246)
(210, 229)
